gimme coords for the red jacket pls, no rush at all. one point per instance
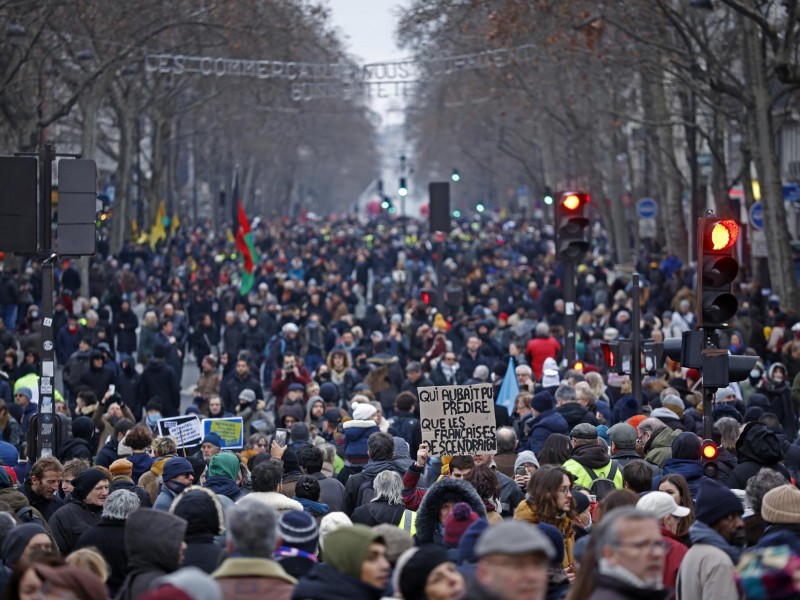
(677, 550)
(539, 349)
(412, 495)
(280, 387)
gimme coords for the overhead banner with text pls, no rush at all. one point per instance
(458, 419)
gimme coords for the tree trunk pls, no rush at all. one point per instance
(120, 222)
(781, 267)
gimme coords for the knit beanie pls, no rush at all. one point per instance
(362, 411)
(466, 547)
(176, 466)
(457, 522)
(213, 439)
(555, 537)
(329, 392)
(715, 502)
(525, 457)
(82, 428)
(17, 540)
(674, 403)
(121, 466)
(753, 413)
(686, 446)
(225, 464)
(5, 479)
(84, 483)
(543, 401)
(299, 530)
(330, 523)
(635, 420)
(781, 505)
(346, 548)
(416, 565)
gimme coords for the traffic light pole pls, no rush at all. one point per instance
(636, 342)
(46, 438)
(570, 319)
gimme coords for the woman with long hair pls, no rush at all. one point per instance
(549, 500)
(484, 480)
(556, 450)
(677, 487)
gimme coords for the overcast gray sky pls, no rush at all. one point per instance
(368, 27)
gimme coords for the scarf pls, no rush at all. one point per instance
(289, 552)
(700, 533)
(449, 370)
(309, 506)
(174, 486)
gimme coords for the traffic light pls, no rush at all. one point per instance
(653, 356)
(709, 451)
(428, 296)
(717, 268)
(77, 207)
(455, 175)
(548, 195)
(686, 350)
(480, 207)
(571, 226)
(612, 356)
(402, 190)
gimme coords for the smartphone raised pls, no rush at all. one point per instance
(521, 470)
(112, 389)
(281, 435)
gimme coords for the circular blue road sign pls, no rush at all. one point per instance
(646, 208)
(757, 216)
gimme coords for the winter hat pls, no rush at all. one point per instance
(330, 523)
(213, 439)
(725, 392)
(715, 502)
(635, 420)
(623, 436)
(192, 410)
(191, 581)
(154, 404)
(726, 409)
(5, 478)
(781, 505)
(628, 407)
(362, 411)
(457, 522)
(329, 392)
(121, 466)
(225, 464)
(346, 548)
(160, 351)
(291, 464)
(25, 391)
(543, 401)
(333, 417)
(82, 428)
(299, 530)
(84, 483)
(17, 539)
(674, 403)
(757, 399)
(397, 540)
(604, 408)
(201, 510)
(82, 583)
(550, 378)
(466, 547)
(415, 566)
(753, 413)
(247, 395)
(582, 502)
(401, 448)
(176, 466)
(686, 446)
(299, 432)
(584, 431)
(525, 457)
(555, 537)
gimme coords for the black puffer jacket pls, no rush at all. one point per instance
(574, 414)
(444, 490)
(377, 512)
(108, 537)
(757, 447)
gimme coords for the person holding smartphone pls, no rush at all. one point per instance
(291, 372)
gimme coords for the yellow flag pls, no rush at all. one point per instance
(157, 231)
(175, 224)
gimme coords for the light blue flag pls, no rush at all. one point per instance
(509, 388)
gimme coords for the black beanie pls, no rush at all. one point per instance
(84, 483)
(715, 502)
(686, 446)
(543, 401)
(414, 573)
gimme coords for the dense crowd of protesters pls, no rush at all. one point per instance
(591, 493)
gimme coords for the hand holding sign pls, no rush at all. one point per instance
(458, 419)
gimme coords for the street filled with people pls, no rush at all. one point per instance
(335, 489)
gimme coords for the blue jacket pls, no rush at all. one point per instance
(692, 470)
(542, 426)
(356, 434)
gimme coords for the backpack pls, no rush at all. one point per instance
(273, 349)
(602, 486)
(365, 493)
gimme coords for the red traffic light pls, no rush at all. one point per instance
(721, 235)
(426, 297)
(573, 201)
(709, 450)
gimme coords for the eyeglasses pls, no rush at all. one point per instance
(565, 491)
(646, 545)
(640, 439)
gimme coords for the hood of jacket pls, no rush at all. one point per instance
(663, 439)
(373, 467)
(326, 583)
(592, 456)
(442, 491)
(572, 412)
(700, 533)
(690, 469)
(202, 510)
(156, 365)
(552, 420)
(153, 539)
(757, 443)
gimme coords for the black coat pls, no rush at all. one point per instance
(44, 506)
(236, 384)
(108, 453)
(159, 379)
(202, 552)
(126, 483)
(326, 583)
(125, 324)
(99, 380)
(70, 521)
(375, 513)
(574, 414)
(757, 447)
(108, 536)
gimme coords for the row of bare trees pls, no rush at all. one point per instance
(623, 99)
(72, 72)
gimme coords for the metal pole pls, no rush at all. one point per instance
(570, 318)
(636, 343)
(693, 174)
(440, 276)
(45, 445)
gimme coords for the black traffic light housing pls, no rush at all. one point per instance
(428, 297)
(612, 356)
(571, 226)
(709, 452)
(653, 356)
(717, 269)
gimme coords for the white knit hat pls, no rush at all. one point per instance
(362, 411)
(330, 523)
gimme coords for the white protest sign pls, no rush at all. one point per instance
(186, 430)
(458, 419)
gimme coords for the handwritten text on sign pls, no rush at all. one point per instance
(458, 419)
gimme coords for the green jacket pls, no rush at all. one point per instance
(582, 477)
(661, 446)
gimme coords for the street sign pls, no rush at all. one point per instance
(791, 192)
(646, 208)
(757, 216)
